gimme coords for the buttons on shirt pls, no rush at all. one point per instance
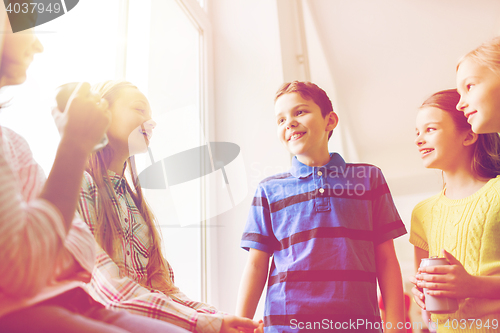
(126, 219)
(320, 173)
(128, 252)
(321, 190)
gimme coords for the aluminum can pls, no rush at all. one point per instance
(438, 304)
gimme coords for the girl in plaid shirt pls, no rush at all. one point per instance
(131, 272)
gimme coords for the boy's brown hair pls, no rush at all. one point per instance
(308, 90)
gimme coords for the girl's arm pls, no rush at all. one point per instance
(252, 283)
(418, 293)
(227, 322)
(84, 123)
(454, 281)
(181, 298)
(36, 247)
(391, 285)
(175, 308)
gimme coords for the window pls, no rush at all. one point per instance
(167, 60)
(160, 46)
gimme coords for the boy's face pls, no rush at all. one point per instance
(302, 128)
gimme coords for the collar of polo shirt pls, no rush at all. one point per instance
(300, 170)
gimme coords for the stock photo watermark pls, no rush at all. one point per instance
(364, 324)
(344, 180)
(351, 324)
(29, 14)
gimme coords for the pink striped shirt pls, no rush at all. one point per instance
(35, 248)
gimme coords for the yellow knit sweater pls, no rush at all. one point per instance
(469, 229)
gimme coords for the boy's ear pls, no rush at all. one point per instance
(470, 138)
(333, 121)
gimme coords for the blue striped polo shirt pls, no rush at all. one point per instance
(321, 225)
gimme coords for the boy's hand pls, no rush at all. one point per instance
(85, 119)
(418, 293)
(234, 324)
(446, 280)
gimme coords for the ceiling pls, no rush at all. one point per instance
(386, 57)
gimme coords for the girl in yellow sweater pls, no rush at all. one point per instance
(462, 222)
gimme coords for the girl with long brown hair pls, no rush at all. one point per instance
(131, 272)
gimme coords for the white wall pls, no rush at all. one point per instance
(247, 71)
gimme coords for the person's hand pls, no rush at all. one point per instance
(259, 329)
(234, 324)
(418, 293)
(446, 280)
(85, 119)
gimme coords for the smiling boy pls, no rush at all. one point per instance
(329, 243)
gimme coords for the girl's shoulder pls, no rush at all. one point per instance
(430, 201)
(495, 183)
(425, 206)
(14, 144)
(88, 183)
(492, 189)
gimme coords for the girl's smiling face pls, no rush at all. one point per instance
(479, 88)
(17, 54)
(439, 141)
(131, 126)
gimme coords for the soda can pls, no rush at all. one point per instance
(438, 304)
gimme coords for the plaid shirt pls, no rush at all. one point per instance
(118, 282)
(35, 246)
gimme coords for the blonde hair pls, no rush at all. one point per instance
(108, 227)
(486, 54)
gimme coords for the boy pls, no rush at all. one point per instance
(329, 227)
